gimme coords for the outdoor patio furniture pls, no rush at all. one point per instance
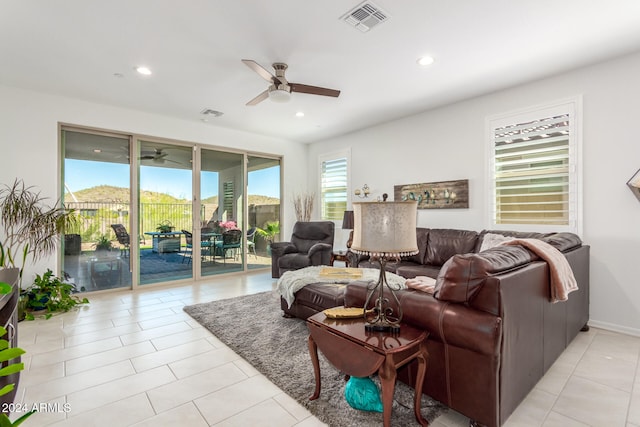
(251, 241)
(123, 238)
(205, 243)
(165, 241)
(231, 240)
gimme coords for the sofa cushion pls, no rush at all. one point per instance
(411, 270)
(422, 234)
(563, 241)
(445, 243)
(509, 233)
(463, 275)
(491, 240)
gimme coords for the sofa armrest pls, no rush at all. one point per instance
(320, 254)
(277, 250)
(320, 247)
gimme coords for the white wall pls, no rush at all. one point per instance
(29, 142)
(448, 144)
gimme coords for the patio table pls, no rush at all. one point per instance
(165, 242)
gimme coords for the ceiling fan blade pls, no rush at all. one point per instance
(262, 72)
(313, 90)
(264, 95)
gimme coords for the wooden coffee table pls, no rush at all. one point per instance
(360, 353)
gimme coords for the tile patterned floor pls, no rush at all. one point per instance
(135, 358)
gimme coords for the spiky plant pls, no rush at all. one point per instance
(30, 228)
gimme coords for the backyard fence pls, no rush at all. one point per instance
(95, 218)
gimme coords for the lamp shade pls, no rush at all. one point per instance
(347, 220)
(385, 229)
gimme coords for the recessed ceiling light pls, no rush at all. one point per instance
(97, 150)
(299, 114)
(425, 60)
(145, 71)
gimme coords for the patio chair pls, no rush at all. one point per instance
(205, 244)
(231, 240)
(123, 238)
(189, 248)
(251, 241)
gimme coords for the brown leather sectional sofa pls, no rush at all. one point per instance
(493, 330)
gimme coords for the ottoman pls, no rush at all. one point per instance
(314, 298)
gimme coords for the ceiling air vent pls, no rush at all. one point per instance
(365, 16)
(210, 112)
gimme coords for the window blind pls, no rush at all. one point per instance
(334, 188)
(533, 172)
(228, 199)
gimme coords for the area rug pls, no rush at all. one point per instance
(254, 328)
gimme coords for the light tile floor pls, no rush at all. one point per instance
(135, 358)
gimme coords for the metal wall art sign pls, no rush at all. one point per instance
(435, 195)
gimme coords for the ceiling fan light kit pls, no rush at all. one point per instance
(279, 94)
(280, 89)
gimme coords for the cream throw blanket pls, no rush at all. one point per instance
(292, 281)
(563, 281)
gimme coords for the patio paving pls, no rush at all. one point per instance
(108, 270)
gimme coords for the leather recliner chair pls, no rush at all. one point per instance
(311, 244)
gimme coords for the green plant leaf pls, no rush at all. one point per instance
(29, 316)
(4, 344)
(11, 369)
(6, 389)
(10, 353)
(22, 418)
(5, 421)
(5, 288)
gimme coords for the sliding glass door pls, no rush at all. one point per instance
(156, 211)
(222, 232)
(263, 188)
(96, 186)
(165, 211)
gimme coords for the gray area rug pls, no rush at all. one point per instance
(254, 328)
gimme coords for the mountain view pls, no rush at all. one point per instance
(111, 194)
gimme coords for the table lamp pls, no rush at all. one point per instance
(347, 224)
(385, 231)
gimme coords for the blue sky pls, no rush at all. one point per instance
(82, 174)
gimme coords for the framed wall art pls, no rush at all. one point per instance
(435, 195)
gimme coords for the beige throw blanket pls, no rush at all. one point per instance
(563, 281)
(422, 283)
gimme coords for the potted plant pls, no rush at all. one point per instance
(269, 233)
(165, 227)
(103, 244)
(31, 228)
(51, 293)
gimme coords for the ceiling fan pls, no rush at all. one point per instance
(280, 89)
(157, 156)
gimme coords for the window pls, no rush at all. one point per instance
(534, 177)
(333, 185)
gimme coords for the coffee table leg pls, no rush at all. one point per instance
(387, 373)
(313, 351)
(423, 357)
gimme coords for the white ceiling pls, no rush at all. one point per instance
(195, 48)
